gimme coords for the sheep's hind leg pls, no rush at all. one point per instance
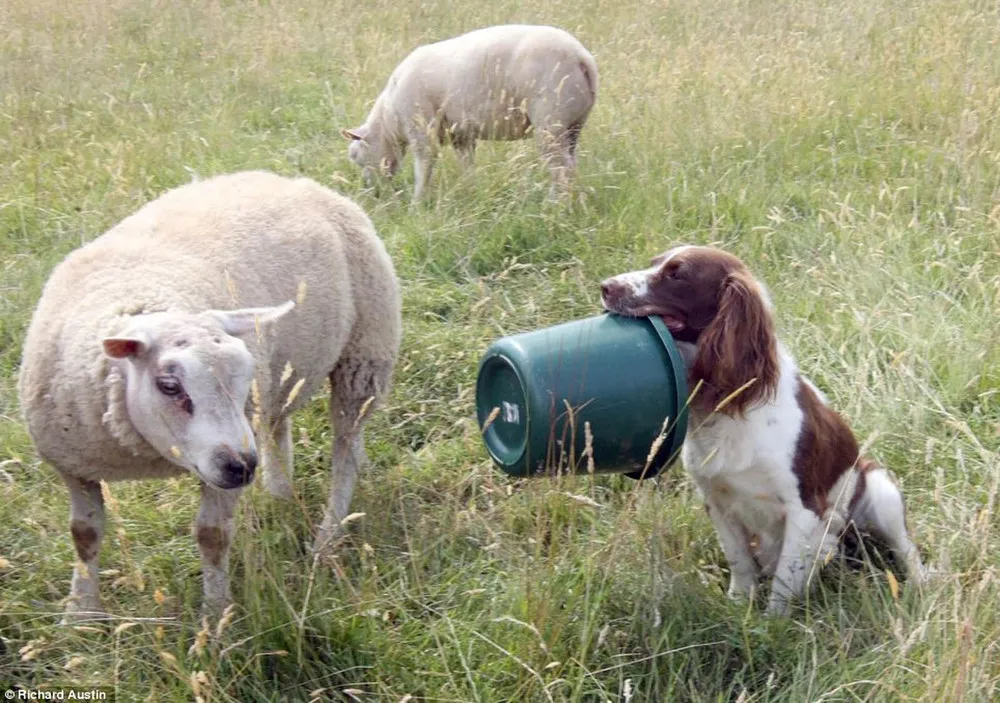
(214, 533)
(356, 386)
(422, 141)
(557, 146)
(277, 454)
(87, 528)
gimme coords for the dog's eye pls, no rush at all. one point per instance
(168, 385)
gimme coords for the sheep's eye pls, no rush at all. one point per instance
(168, 385)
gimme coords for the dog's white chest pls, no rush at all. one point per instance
(740, 484)
(751, 498)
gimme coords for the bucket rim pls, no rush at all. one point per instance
(671, 446)
(510, 462)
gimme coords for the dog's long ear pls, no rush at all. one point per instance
(737, 353)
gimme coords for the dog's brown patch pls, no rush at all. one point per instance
(826, 448)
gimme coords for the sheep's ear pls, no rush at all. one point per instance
(358, 133)
(126, 346)
(240, 322)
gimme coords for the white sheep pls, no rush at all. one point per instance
(134, 367)
(497, 83)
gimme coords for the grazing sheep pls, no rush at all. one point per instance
(496, 83)
(134, 368)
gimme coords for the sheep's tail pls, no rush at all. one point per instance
(588, 67)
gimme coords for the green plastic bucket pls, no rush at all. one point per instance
(537, 391)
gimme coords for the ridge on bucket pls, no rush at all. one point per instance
(607, 392)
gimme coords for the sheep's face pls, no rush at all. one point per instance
(375, 155)
(187, 383)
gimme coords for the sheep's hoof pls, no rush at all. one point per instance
(81, 609)
(778, 608)
(280, 488)
(214, 608)
(740, 594)
(929, 575)
(326, 542)
(558, 197)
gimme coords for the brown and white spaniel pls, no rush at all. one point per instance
(779, 470)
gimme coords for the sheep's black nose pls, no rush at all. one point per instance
(236, 470)
(250, 460)
(605, 289)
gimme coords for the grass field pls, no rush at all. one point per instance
(849, 151)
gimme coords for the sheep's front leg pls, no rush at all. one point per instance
(277, 454)
(87, 527)
(735, 543)
(423, 140)
(807, 538)
(214, 533)
(423, 165)
(465, 147)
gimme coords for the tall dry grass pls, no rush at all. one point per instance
(848, 151)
